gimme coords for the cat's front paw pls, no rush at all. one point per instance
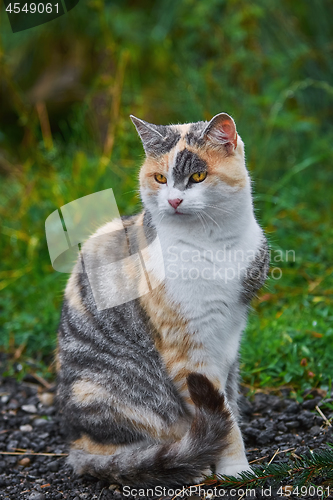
(234, 469)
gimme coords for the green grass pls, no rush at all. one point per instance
(269, 66)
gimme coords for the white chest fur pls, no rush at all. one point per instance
(204, 271)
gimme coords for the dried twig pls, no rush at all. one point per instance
(33, 453)
(258, 459)
(115, 107)
(271, 460)
(42, 381)
(266, 456)
(101, 493)
(323, 416)
(44, 124)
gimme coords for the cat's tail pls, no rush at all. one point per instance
(175, 464)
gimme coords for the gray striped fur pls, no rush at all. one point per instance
(175, 464)
(113, 348)
(186, 164)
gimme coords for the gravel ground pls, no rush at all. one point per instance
(270, 423)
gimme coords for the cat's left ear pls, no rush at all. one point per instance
(221, 131)
(149, 134)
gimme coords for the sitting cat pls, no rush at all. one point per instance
(148, 387)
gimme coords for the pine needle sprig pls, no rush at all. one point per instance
(317, 464)
(258, 476)
(301, 472)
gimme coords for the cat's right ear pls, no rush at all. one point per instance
(149, 134)
(221, 131)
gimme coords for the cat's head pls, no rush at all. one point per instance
(191, 169)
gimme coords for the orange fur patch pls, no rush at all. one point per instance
(72, 293)
(226, 168)
(86, 392)
(86, 444)
(151, 167)
(230, 169)
(57, 359)
(172, 338)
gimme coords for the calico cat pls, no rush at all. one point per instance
(148, 387)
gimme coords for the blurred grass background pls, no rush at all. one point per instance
(67, 89)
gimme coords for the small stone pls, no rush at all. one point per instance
(36, 495)
(315, 430)
(54, 466)
(259, 422)
(50, 410)
(281, 427)
(277, 404)
(264, 437)
(251, 432)
(245, 406)
(13, 404)
(293, 424)
(260, 402)
(306, 421)
(293, 408)
(4, 399)
(269, 426)
(26, 428)
(12, 445)
(115, 488)
(46, 398)
(39, 422)
(44, 435)
(310, 404)
(24, 461)
(29, 408)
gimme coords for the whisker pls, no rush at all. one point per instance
(202, 221)
(160, 220)
(211, 219)
(225, 210)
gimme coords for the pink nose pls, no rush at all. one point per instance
(175, 203)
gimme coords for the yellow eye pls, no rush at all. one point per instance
(160, 178)
(198, 176)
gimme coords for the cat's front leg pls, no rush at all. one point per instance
(233, 461)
